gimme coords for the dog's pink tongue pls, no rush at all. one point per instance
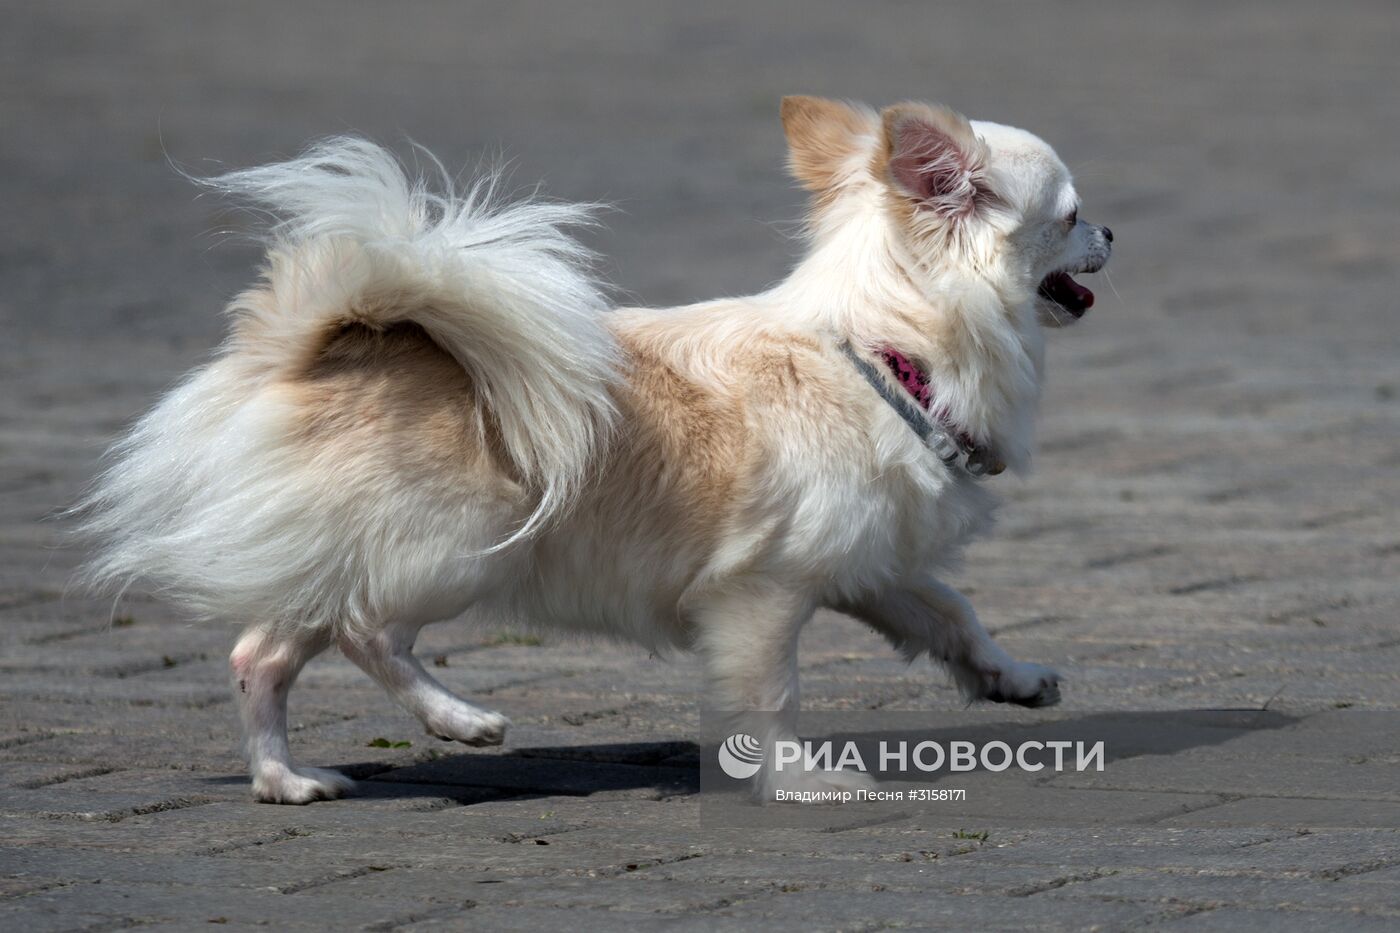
(1069, 293)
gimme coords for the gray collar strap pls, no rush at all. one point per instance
(943, 439)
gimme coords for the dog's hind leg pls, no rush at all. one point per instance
(388, 658)
(937, 620)
(265, 663)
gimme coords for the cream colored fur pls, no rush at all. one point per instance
(425, 410)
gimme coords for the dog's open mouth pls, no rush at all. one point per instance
(1064, 291)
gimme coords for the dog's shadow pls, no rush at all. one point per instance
(668, 769)
(661, 769)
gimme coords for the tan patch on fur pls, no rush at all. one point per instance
(685, 446)
(393, 395)
(773, 367)
(823, 136)
(696, 447)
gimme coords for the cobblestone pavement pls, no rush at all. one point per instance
(1213, 521)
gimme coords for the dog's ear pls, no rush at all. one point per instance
(822, 137)
(934, 158)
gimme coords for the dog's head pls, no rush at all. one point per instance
(966, 198)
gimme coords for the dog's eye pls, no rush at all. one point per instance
(1073, 218)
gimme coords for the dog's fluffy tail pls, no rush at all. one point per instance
(501, 287)
(197, 497)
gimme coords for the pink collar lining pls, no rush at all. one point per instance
(916, 382)
(914, 379)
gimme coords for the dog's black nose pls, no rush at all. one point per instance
(1107, 234)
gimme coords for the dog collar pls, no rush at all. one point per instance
(953, 445)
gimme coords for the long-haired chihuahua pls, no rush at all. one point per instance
(426, 407)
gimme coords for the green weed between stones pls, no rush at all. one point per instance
(382, 742)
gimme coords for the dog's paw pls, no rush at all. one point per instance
(469, 725)
(812, 786)
(300, 785)
(1024, 684)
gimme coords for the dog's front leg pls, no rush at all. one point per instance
(747, 635)
(935, 619)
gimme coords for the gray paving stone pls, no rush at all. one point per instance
(207, 904)
(1295, 812)
(1284, 921)
(1206, 891)
(76, 865)
(115, 796)
(1224, 771)
(850, 910)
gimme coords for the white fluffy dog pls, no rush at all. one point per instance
(425, 407)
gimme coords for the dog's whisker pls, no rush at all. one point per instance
(1109, 279)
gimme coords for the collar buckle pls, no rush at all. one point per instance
(981, 462)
